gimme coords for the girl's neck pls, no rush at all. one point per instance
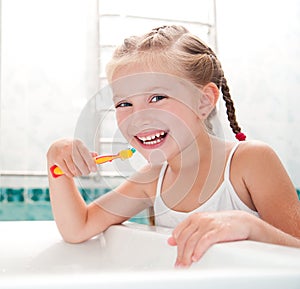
(196, 172)
(199, 150)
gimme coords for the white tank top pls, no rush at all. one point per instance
(224, 199)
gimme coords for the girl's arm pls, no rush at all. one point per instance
(199, 231)
(272, 191)
(76, 221)
(273, 194)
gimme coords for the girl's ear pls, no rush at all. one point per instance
(210, 96)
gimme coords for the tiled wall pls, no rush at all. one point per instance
(34, 204)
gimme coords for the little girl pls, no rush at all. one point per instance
(165, 87)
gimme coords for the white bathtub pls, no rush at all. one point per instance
(32, 255)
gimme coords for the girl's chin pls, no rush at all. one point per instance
(156, 157)
(155, 154)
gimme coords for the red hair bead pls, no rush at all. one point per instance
(240, 136)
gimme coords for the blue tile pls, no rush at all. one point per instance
(14, 195)
(1, 194)
(35, 194)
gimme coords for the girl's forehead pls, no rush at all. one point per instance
(152, 82)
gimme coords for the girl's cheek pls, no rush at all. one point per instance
(121, 121)
(119, 117)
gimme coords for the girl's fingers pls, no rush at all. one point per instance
(180, 227)
(190, 249)
(204, 243)
(184, 240)
(93, 154)
(172, 241)
(72, 157)
(211, 228)
(87, 157)
(69, 167)
(187, 236)
(83, 159)
(81, 165)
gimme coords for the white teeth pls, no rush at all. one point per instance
(152, 139)
(153, 142)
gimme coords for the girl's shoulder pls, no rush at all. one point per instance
(256, 158)
(261, 179)
(248, 153)
(254, 151)
(258, 176)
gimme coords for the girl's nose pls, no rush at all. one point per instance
(141, 117)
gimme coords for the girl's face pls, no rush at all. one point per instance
(156, 112)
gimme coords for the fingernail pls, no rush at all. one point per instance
(177, 264)
(181, 266)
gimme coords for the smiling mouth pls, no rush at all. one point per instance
(152, 139)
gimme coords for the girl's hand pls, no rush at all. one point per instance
(72, 157)
(201, 230)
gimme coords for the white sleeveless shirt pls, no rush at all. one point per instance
(224, 199)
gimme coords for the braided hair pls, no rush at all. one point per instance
(180, 50)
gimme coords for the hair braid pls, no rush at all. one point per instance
(219, 79)
(229, 107)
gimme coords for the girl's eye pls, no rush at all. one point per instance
(157, 98)
(123, 104)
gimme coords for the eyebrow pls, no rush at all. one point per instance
(153, 89)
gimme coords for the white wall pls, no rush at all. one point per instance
(50, 65)
(259, 47)
(49, 70)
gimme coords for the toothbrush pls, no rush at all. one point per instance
(123, 155)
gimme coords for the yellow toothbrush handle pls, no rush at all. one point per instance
(56, 171)
(125, 154)
(105, 159)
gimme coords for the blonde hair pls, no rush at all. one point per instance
(174, 48)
